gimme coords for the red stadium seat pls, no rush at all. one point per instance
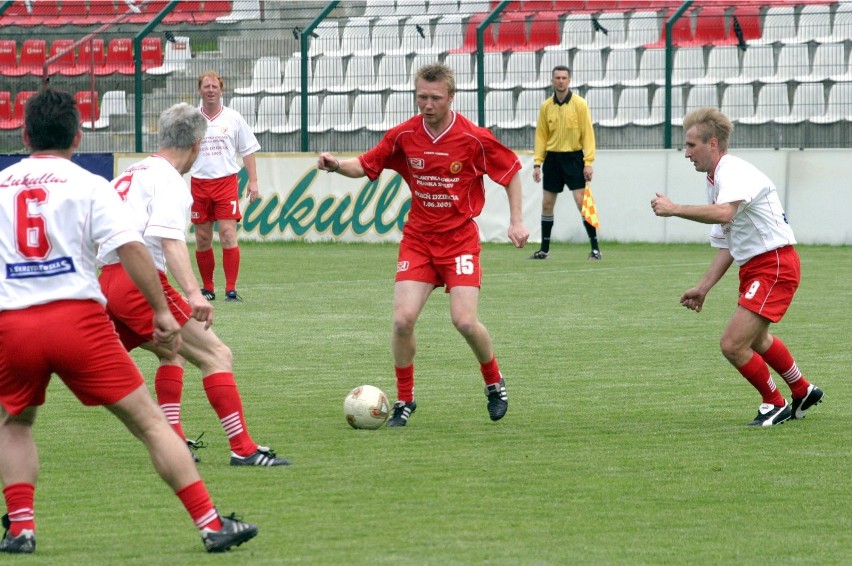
(67, 62)
(147, 13)
(185, 13)
(31, 14)
(5, 106)
(87, 104)
(91, 55)
(469, 44)
(17, 119)
(152, 53)
(8, 55)
(33, 56)
(512, 34)
(119, 57)
(710, 28)
(681, 31)
(102, 11)
(214, 9)
(544, 31)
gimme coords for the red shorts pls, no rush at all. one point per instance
(130, 312)
(450, 259)
(75, 340)
(215, 199)
(769, 281)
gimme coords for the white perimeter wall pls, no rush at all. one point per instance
(815, 187)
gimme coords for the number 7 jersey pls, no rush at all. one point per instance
(53, 213)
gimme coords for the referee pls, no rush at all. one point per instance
(564, 150)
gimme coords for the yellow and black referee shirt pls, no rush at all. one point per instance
(563, 127)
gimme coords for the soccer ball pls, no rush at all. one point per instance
(366, 407)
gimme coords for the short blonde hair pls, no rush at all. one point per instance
(212, 75)
(711, 123)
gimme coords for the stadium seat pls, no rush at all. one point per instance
(688, 64)
(738, 102)
(681, 31)
(271, 112)
(709, 28)
(829, 60)
(355, 37)
(8, 55)
(416, 37)
(119, 57)
(748, 18)
(611, 30)
(841, 29)
(5, 106)
(839, 105)
(327, 72)
(494, 72)
(808, 101)
(241, 10)
(294, 116)
(526, 110)
(399, 107)
(699, 97)
(366, 111)
(189, 12)
(586, 67)
(814, 21)
(576, 30)
(643, 28)
(757, 60)
(266, 74)
(469, 43)
(91, 55)
(620, 66)
(408, 8)
(658, 108)
(793, 60)
(113, 103)
(87, 12)
(652, 66)
(143, 13)
(66, 64)
(601, 103)
(499, 107)
(384, 37)
(632, 106)
(449, 34)
(87, 104)
(772, 101)
(779, 24)
(291, 81)
(544, 31)
(722, 63)
(462, 64)
(393, 75)
(31, 62)
(549, 60)
(518, 67)
(176, 54)
(17, 119)
(333, 112)
(244, 105)
(536, 6)
(511, 35)
(360, 75)
(325, 39)
(394, 69)
(152, 52)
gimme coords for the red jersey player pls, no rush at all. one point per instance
(443, 158)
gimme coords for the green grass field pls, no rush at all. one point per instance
(624, 443)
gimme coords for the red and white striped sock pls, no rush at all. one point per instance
(221, 390)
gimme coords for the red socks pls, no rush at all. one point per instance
(196, 500)
(221, 390)
(168, 385)
(490, 371)
(231, 266)
(206, 263)
(405, 383)
(779, 358)
(757, 373)
(20, 498)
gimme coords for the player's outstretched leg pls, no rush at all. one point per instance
(498, 399)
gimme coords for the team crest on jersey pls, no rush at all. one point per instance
(455, 166)
(417, 162)
(401, 266)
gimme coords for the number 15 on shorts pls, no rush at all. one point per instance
(465, 265)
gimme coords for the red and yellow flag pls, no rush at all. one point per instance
(590, 213)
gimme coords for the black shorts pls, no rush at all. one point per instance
(563, 168)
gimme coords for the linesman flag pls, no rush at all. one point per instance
(590, 212)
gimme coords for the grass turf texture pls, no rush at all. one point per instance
(624, 442)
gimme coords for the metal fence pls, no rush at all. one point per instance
(780, 69)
